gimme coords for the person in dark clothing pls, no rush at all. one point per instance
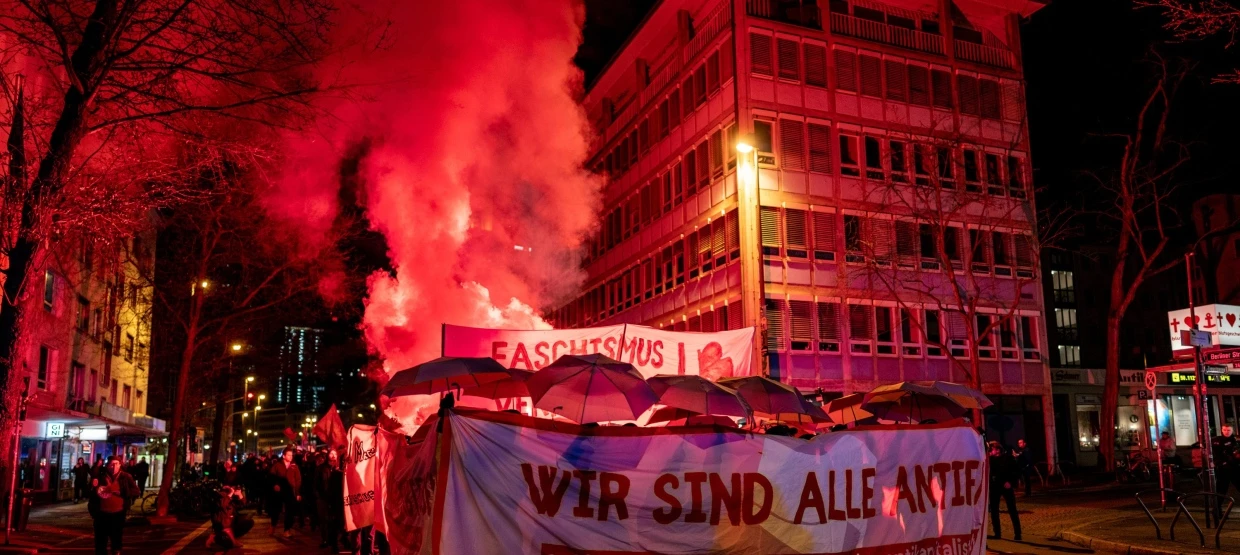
(1024, 465)
(141, 472)
(329, 495)
(1223, 449)
(285, 492)
(97, 468)
(81, 480)
(309, 512)
(111, 494)
(1003, 474)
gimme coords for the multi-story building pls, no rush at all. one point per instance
(85, 351)
(300, 382)
(881, 228)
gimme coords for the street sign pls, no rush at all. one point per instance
(1223, 355)
(1195, 338)
(1215, 370)
(1143, 394)
(1151, 380)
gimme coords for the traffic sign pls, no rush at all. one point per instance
(1195, 338)
(1151, 380)
(1215, 370)
(1143, 395)
(1222, 355)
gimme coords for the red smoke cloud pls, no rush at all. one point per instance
(477, 143)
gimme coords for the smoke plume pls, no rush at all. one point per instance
(474, 170)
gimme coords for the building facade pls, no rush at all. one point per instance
(881, 228)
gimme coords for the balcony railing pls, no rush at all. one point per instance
(804, 13)
(983, 54)
(888, 34)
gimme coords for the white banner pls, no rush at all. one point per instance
(517, 484)
(360, 465)
(652, 351)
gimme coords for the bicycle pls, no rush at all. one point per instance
(1135, 468)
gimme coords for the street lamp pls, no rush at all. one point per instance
(751, 221)
(236, 347)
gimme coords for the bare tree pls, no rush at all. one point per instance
(115, 88)
(1197, 20)
(1138, 217)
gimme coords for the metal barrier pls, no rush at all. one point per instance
(1209, 507)
(1144, 507)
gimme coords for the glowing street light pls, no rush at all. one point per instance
(236, 347)
(261, 397)
(249, 378)
(744, 147)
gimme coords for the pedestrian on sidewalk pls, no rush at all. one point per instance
(285, 492)
(1003, 474)
(141, 472)
(1024, 463)
(81, 480)
(111, 494)
(329, 490)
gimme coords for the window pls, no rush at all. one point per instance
(760, 58)
(815, 65)
(774, 324)
(691, 168)
(126, 397)
(92, 387)
(871, 75)
(673, 108)
(712, 73)
(985, 345)
(829, 327)
(926, 243)
(897, 161)
(46, 360)
(951, 244)
(860, 328)
(1029, 338)
(699, 85)
(966, 86)
(852, 239)
(49, 290)
(1007, 339)
(792, 144)
(112, 392)
(77, 381)
(999, 249)
(884, 330)
(934, 333)
(1015, 178)
(918, 85)
(909, 338)
(1088, 426)
(819, 148)
(96, 324)
(989, 94)
(1069, 355)
(845, 70)
(1024, 255)
(801, 321)
(1065, 324)
(895, 73)
(716, 153)
(762, 136)
(941, 85)
(82, 317)
(129, 347)
(873, 158)
(824, 235)
(921, 163)
(849, 158)
(733, 235)
(1062, 286)
(769, 223)
(789, 64)
(906, 243)
(947, 172)
(971, 177)
(796, 233)
(980, 255)
(994, 181)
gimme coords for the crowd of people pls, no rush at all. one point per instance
(83, 474)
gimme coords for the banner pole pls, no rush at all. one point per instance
(443, 338)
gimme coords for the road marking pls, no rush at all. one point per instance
(189, 538)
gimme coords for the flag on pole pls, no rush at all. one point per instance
(330, 429)
(291, 436)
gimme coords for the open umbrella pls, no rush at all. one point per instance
(511, 386)
(681, 417)
(444, 374)
(963, 395)
(698, 394)
(767, 395)
(590, 388)
(910, 401)
(847, 409)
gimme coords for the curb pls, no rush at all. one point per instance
(1108, 546)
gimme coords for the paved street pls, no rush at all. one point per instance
(1108, 514)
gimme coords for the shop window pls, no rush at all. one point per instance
(1087, 426)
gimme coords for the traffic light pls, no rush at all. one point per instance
(249, 400)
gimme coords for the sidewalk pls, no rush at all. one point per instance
(1129, 530)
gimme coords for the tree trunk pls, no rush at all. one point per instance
(175, 430)
(217, 429)
(10, 353)
(1110, 396)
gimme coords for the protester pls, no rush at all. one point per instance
(329, 493)
(97, 468)
(81, 480)
(112, 493)
(1024, 464)
(228, 476)
(1223, 448)
(309, 510)
(1003, 473)
(141, 472)
(1167, 450)
(284, 493)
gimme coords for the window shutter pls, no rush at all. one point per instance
(1013, 108)
(725, 60)
(708, 322)
(760, 54)
(703, 162)
(703, 251)
(988, 90)
(860, 322)
(967, 87)
(717, 240)
(716, 151)
(999, 248)
(871, 76)
(845, 70)
(881, 239)
(673, 108)
(815, 65)
(819, 148)
(801, 320)
(978, 241)
(907, 239)
(895, 80)
(941, 84)
(769, 217)
(792, 144)
(733, 234)
(796, 230)
(955, 326)
(774, 324)
(829, 322)
(735, 316)
(712, 72)
(1024, 251)
(918, 85)
(824, 231)
(789, 65)
(686, 92)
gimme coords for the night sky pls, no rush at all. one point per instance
(1085, 64)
